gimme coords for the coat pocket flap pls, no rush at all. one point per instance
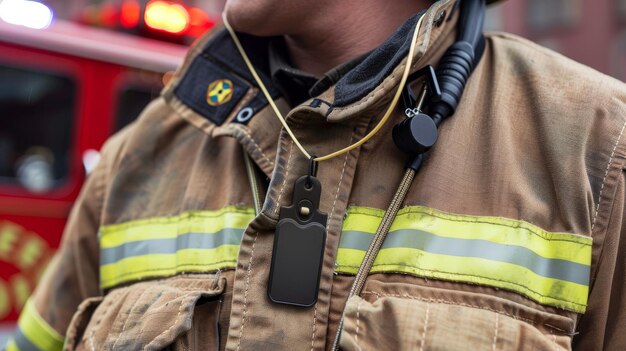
(413, 322)
(150, 315)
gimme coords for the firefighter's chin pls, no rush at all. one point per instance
(266, 17)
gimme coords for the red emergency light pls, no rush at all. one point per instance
(167, 16)
(130, 14)
(159, 19)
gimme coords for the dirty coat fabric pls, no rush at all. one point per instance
(511, 236)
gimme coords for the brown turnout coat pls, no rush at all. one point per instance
(533, 160)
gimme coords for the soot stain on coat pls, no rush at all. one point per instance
(379, 189)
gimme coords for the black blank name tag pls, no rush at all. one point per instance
(298, 248)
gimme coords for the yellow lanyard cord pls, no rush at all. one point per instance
(373, 132)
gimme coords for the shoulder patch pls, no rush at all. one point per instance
(220, 91)
(210, 90)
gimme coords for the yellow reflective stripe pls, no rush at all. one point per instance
(37, 331)
(171, 227)
(198, 241)
(547, 291)
(550, 268)
(11, 346)
(163, 265)
(564, 246)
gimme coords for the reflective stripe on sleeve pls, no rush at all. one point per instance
(550, 268)
(11, 346)
(199, 241)
(34, 334)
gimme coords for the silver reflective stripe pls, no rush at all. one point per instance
(23, 343)
(517, 255)
(227, 236)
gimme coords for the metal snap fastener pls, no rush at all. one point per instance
(245, 114)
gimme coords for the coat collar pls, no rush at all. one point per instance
(214, 87)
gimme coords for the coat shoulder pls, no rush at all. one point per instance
(559, 88)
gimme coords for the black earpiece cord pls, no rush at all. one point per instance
(456, 66)
(459, 60)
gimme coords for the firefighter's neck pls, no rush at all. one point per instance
(342, 33)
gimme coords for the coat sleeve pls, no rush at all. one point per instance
(73, 273)
(602, 326)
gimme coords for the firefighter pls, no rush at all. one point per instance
(363, 175)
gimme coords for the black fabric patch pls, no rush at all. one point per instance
(193, 89)
(361, 80)
(223, 51)
(220, 57)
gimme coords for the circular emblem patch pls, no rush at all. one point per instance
(220, 91)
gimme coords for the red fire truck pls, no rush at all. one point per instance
(63, 91)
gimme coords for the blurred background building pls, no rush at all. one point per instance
(592, 32)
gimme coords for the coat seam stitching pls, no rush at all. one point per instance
(254, 143)
(245, 295)
(606, 173)
(282, 187)
(358, 324)
(423, 340)
(495, 333)
(343, 172)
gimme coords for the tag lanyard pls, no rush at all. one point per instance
(279, 115)
(300, 237)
